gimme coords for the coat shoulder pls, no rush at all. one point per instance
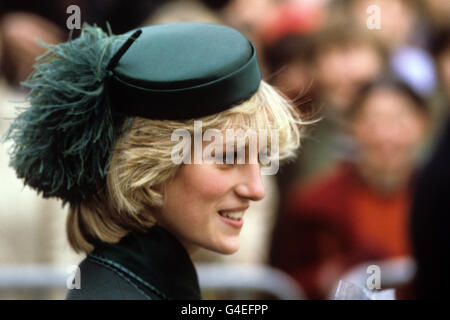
(100, 282)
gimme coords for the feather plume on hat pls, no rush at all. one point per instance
(63, 141)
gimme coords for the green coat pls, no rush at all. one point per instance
(152, 266)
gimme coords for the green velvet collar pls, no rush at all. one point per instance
(155, 260)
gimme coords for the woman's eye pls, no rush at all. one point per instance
(263, 159)
(235, 158)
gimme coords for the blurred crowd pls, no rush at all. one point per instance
(372, 80)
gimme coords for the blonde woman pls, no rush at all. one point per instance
(135, 133)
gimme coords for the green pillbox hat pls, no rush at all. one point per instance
(184, 70)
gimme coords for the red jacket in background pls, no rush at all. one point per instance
(334, 223)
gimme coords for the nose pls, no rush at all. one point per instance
(250, 184)
(387, 133)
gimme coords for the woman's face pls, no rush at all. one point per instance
(199, 197)
(341, 71)
(388, 129)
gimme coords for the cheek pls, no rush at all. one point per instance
(199, 187)
(416, 132)
(362, 134)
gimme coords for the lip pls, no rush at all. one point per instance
(233, 223)
(236, 209)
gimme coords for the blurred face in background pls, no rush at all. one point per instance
(397, 19)
(439, 11)
(248, 15)
(18, 34)
(340, 71)
(388, 129)
(294, 79)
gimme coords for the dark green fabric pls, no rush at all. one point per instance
(151, 265)
(102, 283)
(183, 71)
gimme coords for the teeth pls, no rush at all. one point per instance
(232, 215)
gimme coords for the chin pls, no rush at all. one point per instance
(229, 252)
(228, 247)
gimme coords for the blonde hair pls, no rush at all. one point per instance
(141, 164)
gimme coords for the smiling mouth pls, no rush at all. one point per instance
(233, 215)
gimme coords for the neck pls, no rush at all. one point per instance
(188, 246)
(384, 181)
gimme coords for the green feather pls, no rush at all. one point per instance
(62, 143)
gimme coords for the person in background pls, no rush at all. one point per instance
(288, 39)
(439, 13)
(359, 210)
(188, 10)
(18, 47)
(22, 22)
(344, 58)
(340, 61)
(288, 61)
(430, 208)
(399, 20)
